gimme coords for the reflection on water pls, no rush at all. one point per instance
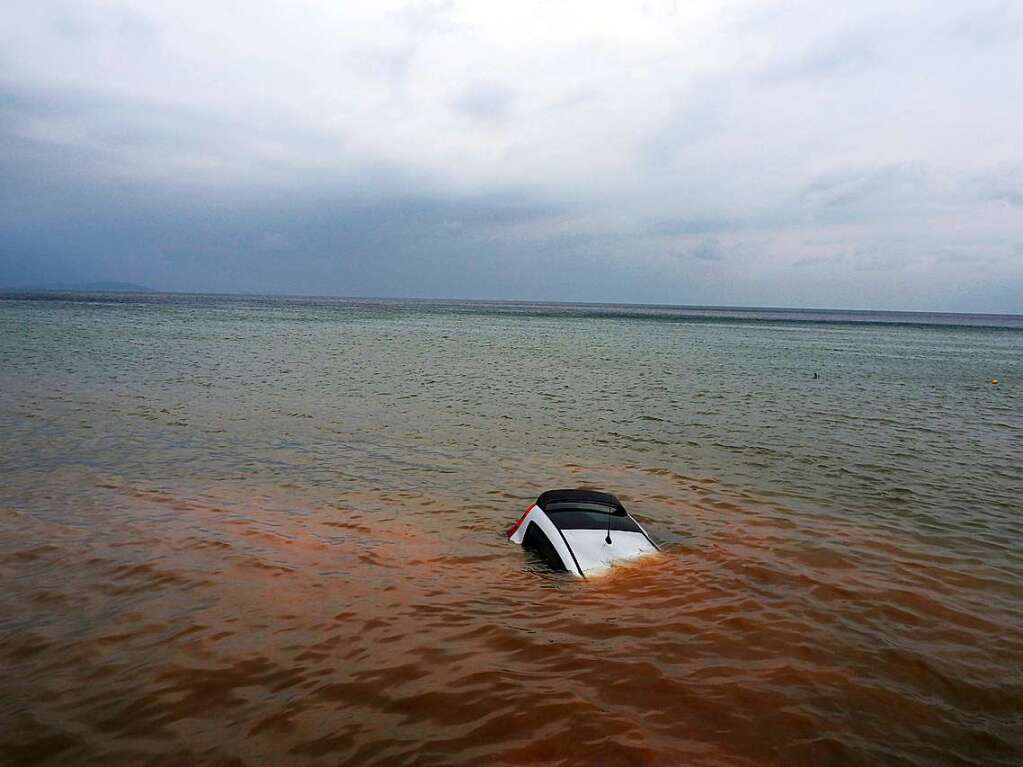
(266, 534)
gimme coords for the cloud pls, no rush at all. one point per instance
(692, 116)
(1002, 185)
(856, 194)
(709, 250)
(479, 148)
(994, 24)
(392, 62)
(688, 226)
(488, 101)
(426, 17)
(843, 56)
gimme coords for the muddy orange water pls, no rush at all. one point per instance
(394, 629)
(243, 532)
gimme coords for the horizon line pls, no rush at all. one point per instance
(146, 290)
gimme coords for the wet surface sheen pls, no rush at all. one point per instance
(270, 531)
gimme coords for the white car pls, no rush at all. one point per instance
(581, 531)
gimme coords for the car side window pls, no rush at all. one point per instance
(536, 540)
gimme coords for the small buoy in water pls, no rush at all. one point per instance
(994, 381)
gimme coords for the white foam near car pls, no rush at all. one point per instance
(581, 531)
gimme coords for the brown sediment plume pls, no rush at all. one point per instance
(256, 625)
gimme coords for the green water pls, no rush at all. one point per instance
(902, 421)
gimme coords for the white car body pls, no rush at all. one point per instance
(578, 540)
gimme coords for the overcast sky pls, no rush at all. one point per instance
(861, 155)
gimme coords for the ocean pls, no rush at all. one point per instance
(267, 530)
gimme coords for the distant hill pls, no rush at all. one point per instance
(90, 287)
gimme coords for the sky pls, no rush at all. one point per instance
(808, 154)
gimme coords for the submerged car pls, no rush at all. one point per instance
(581, 531)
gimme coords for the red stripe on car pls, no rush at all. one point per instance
(513, 528)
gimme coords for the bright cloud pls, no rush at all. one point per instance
(782, 153)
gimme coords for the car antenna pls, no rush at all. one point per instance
(610, 511)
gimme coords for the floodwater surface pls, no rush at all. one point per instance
(266, 531)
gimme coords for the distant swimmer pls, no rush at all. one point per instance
(994, 381)
(814, 376)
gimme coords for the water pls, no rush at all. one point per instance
(255, 530)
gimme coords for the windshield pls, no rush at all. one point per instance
(594, 517)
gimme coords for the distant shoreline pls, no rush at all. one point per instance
(85, 287)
